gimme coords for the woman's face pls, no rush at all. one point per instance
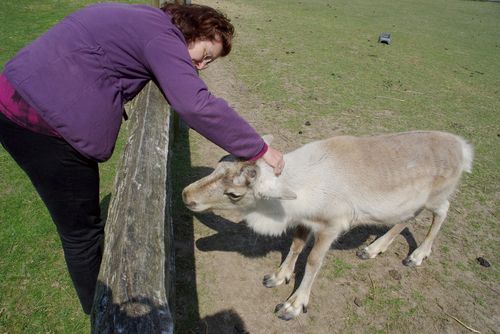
(203, 52)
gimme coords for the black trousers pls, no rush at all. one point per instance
(68, 184)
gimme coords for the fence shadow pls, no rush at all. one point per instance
(186, 310)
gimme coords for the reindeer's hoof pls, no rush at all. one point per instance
(416, 258)
(287, 311)
(411, 262)
(363, 254)
(270, 281)
(278, 307)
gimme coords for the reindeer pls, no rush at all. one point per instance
(333, 185)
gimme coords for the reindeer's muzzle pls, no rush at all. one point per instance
(190, 203)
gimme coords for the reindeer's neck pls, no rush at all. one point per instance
(267, 218)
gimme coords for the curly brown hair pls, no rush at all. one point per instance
(198, 22)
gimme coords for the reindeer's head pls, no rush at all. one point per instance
(235, 185)
(229, 186)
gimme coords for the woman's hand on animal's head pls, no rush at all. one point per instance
(274, 158)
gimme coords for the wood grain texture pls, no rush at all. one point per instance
(135, 284)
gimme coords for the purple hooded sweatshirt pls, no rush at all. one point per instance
(79, 74)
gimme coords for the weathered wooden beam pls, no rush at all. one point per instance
(135, 285)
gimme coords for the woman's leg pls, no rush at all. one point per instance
(68, 184)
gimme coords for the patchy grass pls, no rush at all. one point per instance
(338, 269)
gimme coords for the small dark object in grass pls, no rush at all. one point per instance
(385, 38)
(358, 302)
(482, 261)
(307, 123)
(300, 132)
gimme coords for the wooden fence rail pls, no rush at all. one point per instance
(135, 285)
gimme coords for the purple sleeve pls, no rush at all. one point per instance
(212, 117)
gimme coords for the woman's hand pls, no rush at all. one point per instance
(274, 158)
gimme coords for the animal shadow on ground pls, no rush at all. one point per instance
(238, 237)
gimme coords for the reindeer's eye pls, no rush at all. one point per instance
(233, 196)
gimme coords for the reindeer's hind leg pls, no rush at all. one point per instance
(381, 244)
(286, 269)
(424, 250)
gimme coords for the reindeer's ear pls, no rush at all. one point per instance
(250, 172)
(248, 175)
(268, 139)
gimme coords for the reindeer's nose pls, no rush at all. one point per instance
(185, 198)
(191, 205)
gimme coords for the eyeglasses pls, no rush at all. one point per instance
(201, 62)
(206, 59)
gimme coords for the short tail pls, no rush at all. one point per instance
(468, 156)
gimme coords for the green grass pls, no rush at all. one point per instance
(36, 294)
(338, 268)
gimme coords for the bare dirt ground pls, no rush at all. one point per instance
(221, 263)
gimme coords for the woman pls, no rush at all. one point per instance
(61, 106)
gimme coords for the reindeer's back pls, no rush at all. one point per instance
(401, 155)
(391, 169)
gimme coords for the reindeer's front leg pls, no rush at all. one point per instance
(286, 269)
(299, 300)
